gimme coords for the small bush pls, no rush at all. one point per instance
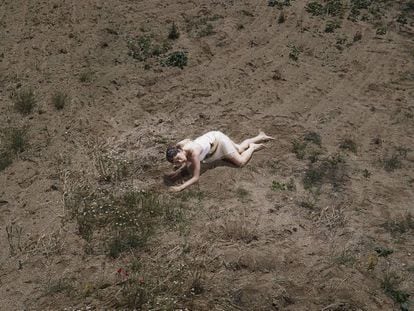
(333, 7)
(390, 284)
(14, 139)
(281, 19)
(24, 101)
(345, 258)
(357, 36)
(330, 170)
(86, 76)
(62, 285)
(201, 26)
(399, 225)
(283, 186)
(392, 163)
(348, 144)
(313, 137)
(278, 3)
(382, 30)
(383, 251)
(331, 26)
(126, 241)
(173, 33)
(206, 30)
(59, 100)
(294, 53)
(5, 159)
(299, 148)
(144, 47)
(176, 59)
(315, 8)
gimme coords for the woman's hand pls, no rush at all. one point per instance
(175, 189)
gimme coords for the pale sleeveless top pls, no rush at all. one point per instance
(205, 141)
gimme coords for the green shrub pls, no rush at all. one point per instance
(24, 101)
(176, 59)
(390, 284)
(59, 100)
(315, 8)
(86, 76)
(173, 33)
(14, 139)
(333, 7)
(348, 144)
(331, 26)
(313, 137)
(145, 47)
(281, 19)
(5, 159)
(294, 53)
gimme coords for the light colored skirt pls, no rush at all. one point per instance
(222, 147)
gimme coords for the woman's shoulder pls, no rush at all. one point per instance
(184, 142)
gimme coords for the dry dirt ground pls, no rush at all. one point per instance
(91, 96)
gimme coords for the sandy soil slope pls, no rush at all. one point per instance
(319, 220)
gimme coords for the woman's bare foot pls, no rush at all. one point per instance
(265, 137)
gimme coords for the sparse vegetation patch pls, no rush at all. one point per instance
(24, 101)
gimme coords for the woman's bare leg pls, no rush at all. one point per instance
(246, 143)
(241, 159)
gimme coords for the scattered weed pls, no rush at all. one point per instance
(24, 101)
(313, 137)
(59, 100)
(294, 53)
(86, 76)
(282, 186)
(196, 284)
(14, 236)
(348, 144)
(298, 148)
(62, 285)
(198, 27)
(357, 36)
(346, 258)
(135, 293)
(307, 204)
(390, 284)
(334, 7)
(281, 19)
(399, 225)
(366, 173)
(392, 163)
(191, 194)
(330, 170)
(315, 8)
(331, 26)
(176, 59)
(5, 159)
(382, 30)
(383, 251)
(145, 47)
(242, 194)
(278, 3)
(173, 33)
(13, 140)
(239, 230)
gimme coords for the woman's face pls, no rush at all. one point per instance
(180, 158)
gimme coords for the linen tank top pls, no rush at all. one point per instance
(205, 141)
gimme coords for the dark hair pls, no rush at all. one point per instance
(172, 151)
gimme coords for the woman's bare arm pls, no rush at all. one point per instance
(195, 164)
(177, 171)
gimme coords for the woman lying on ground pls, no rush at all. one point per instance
(210, 147)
